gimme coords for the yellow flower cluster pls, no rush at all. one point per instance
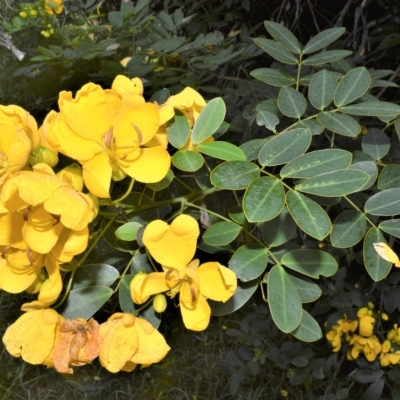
(42, 336)
(195, 283)
(365, 342)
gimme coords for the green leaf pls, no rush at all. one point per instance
(370, 168)
(283, 299)
(339, 123)
(385, 203)
(308, 330)
(311, 262)
(397, 126)
(178, 130)
(376, 266)
(307, 290)
(291, 102)
(372, 109)
(334, 184)
(309, 216)
(209, 120)
(279, 230)
(276, 50)
(264, 199)
(322, 89)
(352, 86)
(285, 147)
(310, 124)
(316, 163)
(222, 150)
(273, 77)
(348, 229)
(375, 143)
(242, 295)
(391, 226)
(94, 275)
(163, 184)
(249, 261)
(283, 36)
(326, 57)
(267, 119)
(253, 147)
(221, 130)
(124, 294)
(187, 160)
(113, 241)
(389, 177)
(237, 215)
(128, 231)
(221, 233)
(84, 302)
(115, 18)
(234, 175)
(322, 39)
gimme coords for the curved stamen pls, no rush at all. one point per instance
(25, 213)
(5, 251)
(108, 137)
(193, 293)
(191, 116)
(139, 133)
(29, 255)
(169, 272)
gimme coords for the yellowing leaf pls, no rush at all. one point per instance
(387, 253)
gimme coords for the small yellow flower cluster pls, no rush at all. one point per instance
(42, 336)
(53, 6)
(195, 283)
(365, 341)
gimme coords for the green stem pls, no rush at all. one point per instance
(360, 211)
(298, 72)
(125, 271)
(269, 174)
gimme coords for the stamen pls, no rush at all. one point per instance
(169, 272)
(122, 157)
(5, 251)
(26, 212)
(191, 116)
(29, 255)
(139, 133)
(193, 293)
(108, 137)
(57, 219)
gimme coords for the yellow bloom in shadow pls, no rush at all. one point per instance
(128, 341)
(50, 10)
(33, 336)
(370, 346)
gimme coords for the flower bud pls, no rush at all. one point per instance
(371, 305)
(33, 13)
(159, 303)
(385, 317)
(23, 14)
(43, 155)
(45, 34)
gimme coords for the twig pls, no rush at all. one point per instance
(339, 21)
(391, 79)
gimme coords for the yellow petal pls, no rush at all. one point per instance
(163, 240)
(73, 176)
(196, 316)
(387, 253)
(216, 281)
(11, 230)
(120, 343)
(70, 243)
(166, 112)
(147, 165)
(153, 283)
(97, 175)
(152, 345)
(126, 87)
(32, 335)
(39, 232)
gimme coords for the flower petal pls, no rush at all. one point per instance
(11, 230)
(162, 241)
(196, 315)
(153, 283)
(97, 175)
(216, 281)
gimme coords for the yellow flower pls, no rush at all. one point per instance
(128, 341)
(33, 336)
(195, 284)
(370, 346)
(366, 322)
(79, 344)
(189, 102)
(389, 358)
(163, 240)
(49, 8)
(16, 124)
(105, 133)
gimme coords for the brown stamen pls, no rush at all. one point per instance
(191, 116)
(29, 255)
(26, 212)
(57, 219)
(169, 272)
(193, 293)
(122, 157)
(108, 137)
(139, 133)
(5, 251)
